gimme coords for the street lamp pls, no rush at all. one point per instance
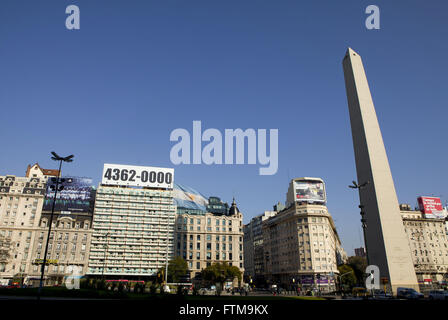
(363, 219)
(340, 277)
(56, 188)
(166, 287)
(106, 247)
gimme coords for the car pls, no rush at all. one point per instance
(408, 293)
(438, 295)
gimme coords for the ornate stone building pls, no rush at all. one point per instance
(428, 243)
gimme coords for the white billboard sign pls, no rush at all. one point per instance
(309, 191)
(137, 176)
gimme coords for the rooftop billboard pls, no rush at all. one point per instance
(309, 191)
(138, 176)
(431, 207)
(77, 195)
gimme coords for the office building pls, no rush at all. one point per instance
(253, 248)
(210, 237)
(428, 244)
(133, 224)
(301, 245)
(133, 232)
(386, 240)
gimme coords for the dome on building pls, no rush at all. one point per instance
(233, 209)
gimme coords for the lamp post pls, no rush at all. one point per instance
(340, 277)
(106, 247)
(55, 157)
(362, 212)
(166, 288)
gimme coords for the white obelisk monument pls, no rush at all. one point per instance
(386, 240)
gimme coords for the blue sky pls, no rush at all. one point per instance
(113, 91)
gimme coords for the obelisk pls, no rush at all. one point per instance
(386, 240)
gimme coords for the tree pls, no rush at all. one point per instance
(220, 272)
(177, 269)
(347, 278)
(359, 265)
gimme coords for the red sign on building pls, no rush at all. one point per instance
(431, 207)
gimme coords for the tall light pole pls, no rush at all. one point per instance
(340, 277)
(363, 219)
(55, 157)
(166, 289)
(106, 247)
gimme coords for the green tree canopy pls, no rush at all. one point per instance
(359, 265)
(220, 272)
(177, 268)
(347, 276)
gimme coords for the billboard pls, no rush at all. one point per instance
(138, 176)
(76, 196)
(431, 207)
(309, 191)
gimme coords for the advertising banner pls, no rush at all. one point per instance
(306, 280)
(431, 207)
(138, 176)
(77, 195)
(312, 191)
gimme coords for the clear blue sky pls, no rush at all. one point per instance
(114, 90)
